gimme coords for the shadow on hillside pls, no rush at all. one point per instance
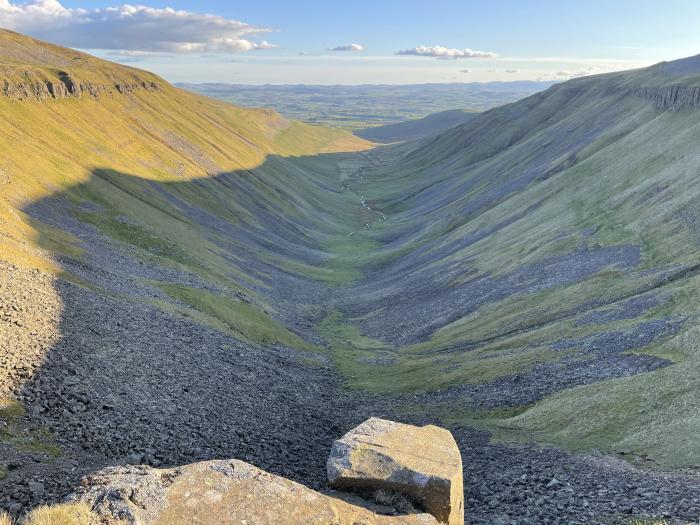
(130, 381)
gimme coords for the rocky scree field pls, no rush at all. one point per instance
(196, 280)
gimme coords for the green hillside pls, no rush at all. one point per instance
(543, 257)
(102, 150)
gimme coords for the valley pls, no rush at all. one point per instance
(198, 280)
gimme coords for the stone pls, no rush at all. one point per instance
(219, 492)
(36, 487)
(423, 463)
(553, 483)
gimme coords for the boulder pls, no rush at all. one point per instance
(219, 493)
(423, 463)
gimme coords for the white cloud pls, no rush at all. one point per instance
(265, 45)
(568, 75)
(348, 47)
(131, 27)
(445, 52)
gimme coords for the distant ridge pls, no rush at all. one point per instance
(417, 129)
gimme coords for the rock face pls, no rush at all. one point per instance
(672, 98)
(31, 86)
(220, 493)
(421, 462)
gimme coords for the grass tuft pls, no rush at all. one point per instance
(62, 514)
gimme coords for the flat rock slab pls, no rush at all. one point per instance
(421, 462)
(220, 493)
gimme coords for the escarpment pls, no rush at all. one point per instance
(30, 70)
(672, 98)
(31, 85)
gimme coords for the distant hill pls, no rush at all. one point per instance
(417, 129)
(359, 107)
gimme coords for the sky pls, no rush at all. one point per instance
(367, 42)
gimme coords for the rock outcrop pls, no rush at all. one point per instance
(31, 70)
(30, 85)
(671, 98)
(220, 493)
(396, 465)
(421, 462)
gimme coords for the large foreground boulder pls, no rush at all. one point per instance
(220, 493)
(423, 463)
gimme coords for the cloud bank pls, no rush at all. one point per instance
(131, 27)
(348, 47)
(445, 52)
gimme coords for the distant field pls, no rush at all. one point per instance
(359, 107)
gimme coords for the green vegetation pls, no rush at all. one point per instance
(398, 371)
(119, 229)
(645, 416)
(14, 432)
(633, 185)
(417, 129)
(245, 321)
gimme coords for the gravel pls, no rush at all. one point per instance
(125, 383)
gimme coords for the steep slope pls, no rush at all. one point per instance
(545, 252)
(158, 132)
(417, 129)
(179, 246)
(206, 270)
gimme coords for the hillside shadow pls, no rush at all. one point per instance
(137, 375)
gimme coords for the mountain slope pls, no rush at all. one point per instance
(159, 132)
(548, 246)
(416, 129)
(180, 247)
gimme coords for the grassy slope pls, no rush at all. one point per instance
(136, 155)
(604, 159)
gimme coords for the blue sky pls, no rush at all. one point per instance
(440, 41)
